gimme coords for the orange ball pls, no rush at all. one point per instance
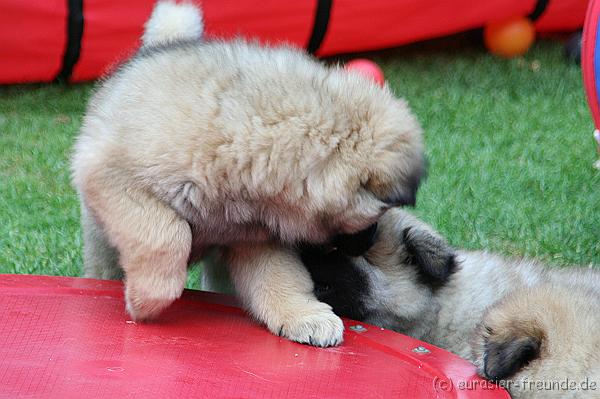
(509, 38)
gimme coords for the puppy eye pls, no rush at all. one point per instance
(322, 289)
(329, 249)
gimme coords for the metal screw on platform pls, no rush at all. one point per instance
(358, 328)
(421, 349)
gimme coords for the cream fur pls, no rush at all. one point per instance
(170, 22)
(193, 145)
(285, 300)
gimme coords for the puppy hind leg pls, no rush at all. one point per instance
(153, 242)
(100, 259)
(215, 277)
(277, 289)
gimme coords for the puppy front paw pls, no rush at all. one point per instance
(146, 299)
(314, 324)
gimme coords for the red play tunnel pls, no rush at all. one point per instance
(41, 40)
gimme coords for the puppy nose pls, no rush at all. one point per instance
(404, 199)
(358, 243)
(407, 196)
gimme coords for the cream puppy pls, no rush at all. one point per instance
(193, 145)
(532, 327)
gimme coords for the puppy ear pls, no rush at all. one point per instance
(434, 258)
(512, 333)
(503, 358)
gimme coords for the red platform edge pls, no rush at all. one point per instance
(451, 369)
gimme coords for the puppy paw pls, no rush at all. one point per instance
(315, 325)
(145, 299)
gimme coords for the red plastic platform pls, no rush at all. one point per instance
(71, 338)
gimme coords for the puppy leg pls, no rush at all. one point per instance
(278, 291)
(215, 277)
(100, 259)
(510, 335)
(153, 242)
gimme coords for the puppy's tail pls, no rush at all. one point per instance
(171, 22)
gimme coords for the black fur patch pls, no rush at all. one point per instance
(502, 360)
(337, 281)
(358, 243)
(434, 259)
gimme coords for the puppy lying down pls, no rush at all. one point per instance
(193, 145)
(516, 320)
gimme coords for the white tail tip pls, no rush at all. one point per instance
(171, 21)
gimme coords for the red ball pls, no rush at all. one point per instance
(367, 68)
(509, 38)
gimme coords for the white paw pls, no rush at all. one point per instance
(314, 324)
(146, 298)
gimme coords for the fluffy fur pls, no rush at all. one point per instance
(515, 319)
(171, 22)
(193, 145)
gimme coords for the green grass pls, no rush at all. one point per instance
(511, 151)
(39, 232)
(509, 146)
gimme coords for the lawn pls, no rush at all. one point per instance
(509, 145)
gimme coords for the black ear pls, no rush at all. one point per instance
(435, 260)
(502, 360)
